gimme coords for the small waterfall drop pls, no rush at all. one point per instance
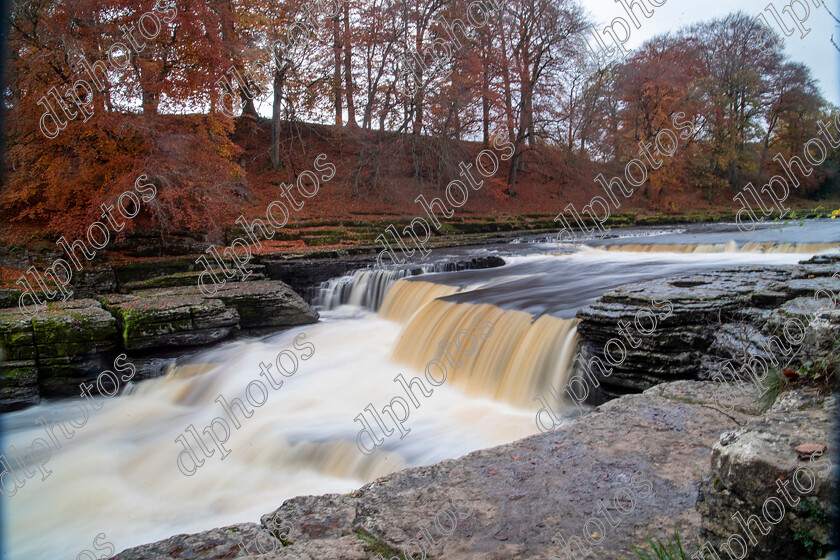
(520, 357)
(367, 287)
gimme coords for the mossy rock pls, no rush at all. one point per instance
(9, 297)
(16, 339)
(319, 241)
(146, 269)
(80, 321)
(158, 318)
(18, 385)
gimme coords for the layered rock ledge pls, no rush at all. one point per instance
(50, 354)
(714, 316)
(154, 308)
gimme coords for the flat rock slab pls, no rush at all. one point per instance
(187, 279)
(520, 496)
(257, 304)
(60, 329)
(267, 303)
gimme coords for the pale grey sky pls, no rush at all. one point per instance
(815, 50)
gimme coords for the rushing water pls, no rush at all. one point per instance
(118, 474)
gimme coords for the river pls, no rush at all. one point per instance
(118, 475)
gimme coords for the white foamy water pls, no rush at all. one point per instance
(118, 474)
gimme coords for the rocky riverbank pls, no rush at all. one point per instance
(731, 314)
(672, 455)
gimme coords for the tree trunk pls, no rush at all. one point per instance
(348, 68)
(337, 72)
(149, 102)
(485, 93)
(508, 95)
(248, 107)
(276, 115)
(515, 167)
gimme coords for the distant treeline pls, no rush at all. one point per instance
(100, 91)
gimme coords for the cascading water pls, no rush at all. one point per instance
(524, 356)
(118, 474)
(362, 288)
(730, 247)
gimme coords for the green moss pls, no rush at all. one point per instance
(375, 545)
(19, 376)
(809, 542)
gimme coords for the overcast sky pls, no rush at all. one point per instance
(815, 50)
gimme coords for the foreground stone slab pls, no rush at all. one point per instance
(519, 496)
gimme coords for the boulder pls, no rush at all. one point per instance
(757, 471)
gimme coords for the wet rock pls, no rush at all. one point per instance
(305, 275)
(702, 320)
(218, 544)
(761, 474)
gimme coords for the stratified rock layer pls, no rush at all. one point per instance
(52, 352)
(159, 318)
(714, 316)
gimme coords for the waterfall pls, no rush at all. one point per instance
(730, 247)
(364, 288)
(119, 473)
(521, 357)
